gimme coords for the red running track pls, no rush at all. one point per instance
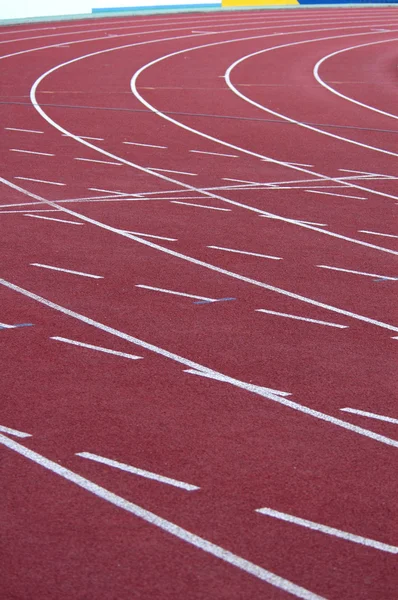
(153, 165)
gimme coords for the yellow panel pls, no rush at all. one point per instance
(248, 3)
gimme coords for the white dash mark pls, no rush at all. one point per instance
(299, 164)
(5, 326)
(250, 387)
(169, 171)
(147, 287)
(215, 153)
(297, 221)
(157, 521)
(31, 152)
(84, 137)
(98, 348)
(107, 191)
(66, 271)
(200, 205)
(20, 434)
(40, 181)
(103, 162)
(345, 535)
(52, 219)
(367, 173)
(333, 194)
(23, 130)
(156, 237)
(244, 252)
(356, 272)
(241, 181)
(370, 415)
(377, 233)
(279, 314)
(146, 145)
(46, 210)
(136, 471)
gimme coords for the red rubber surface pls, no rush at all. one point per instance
(245, 450)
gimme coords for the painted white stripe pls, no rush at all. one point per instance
(146, 145)
(103, 162)
(298, 221)
(356, 272)
(370, 415)
(108, 191)
(279, 314)
(161, 523)
(244, 252)
(14, 212)
(66, 271)
(6, 326)
(300, 164)
(203, 371)
(156, 237)
(31, 152)
(155, 289)
(170, 171)
(345, 535)
(200, 205)
(99, 348)
(85, 137)
(24, 130)
(40, 181)
(377, 233)
(243, 181)
(20, 434)
(337, 195)
(383, 176)
(136, 471)
(52, 219)
(215, 153)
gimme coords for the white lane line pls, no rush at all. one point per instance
(200, 205)
(170, 171)
(279, 314)
(108, 191)
(31, 152)
(163, 524)
(215, 153)
(334, 194)
(155, 289)
(244, 252)
(40, 181)
(371, 415)
(383, 176)
(300, 165)
(66, 271)
(23, 130)
(98, 348)
(52, 219)
(377, 233)
(156, 237)
(244, 181)
(203, 371)
(146, 145)
(345, 535)
(136, 471)
(84, 137)
(298, 221)
(103, 162)
(14, 212)
(356, 272)
(15, 432)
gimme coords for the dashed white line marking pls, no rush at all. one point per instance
(170, 171)
(200, 205)
(356, 272)
(15, 432)
(52, 219)
(163, 524)
(23, 130)
(244, 252)
(146, 146)
(155, 289)
(345, 535)
(98, 348)
(279, 314)
(107, 191)
(66, 271)
(156, 237)
(299, 164)
(137, 471)
(215, 153)
(102, 162)
(84, 137)
(31, 152)
(377, 233)
(40, 181)
(243, 181)
(337, 195)
(371, 415)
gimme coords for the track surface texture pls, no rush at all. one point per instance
(198, 318)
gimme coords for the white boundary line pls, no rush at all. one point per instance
(66, 270)
(98, 348)
(371, 415)
(296, 317)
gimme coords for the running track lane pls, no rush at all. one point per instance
(245, 448)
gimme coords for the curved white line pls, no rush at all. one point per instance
(286, 118)
(334, 91)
